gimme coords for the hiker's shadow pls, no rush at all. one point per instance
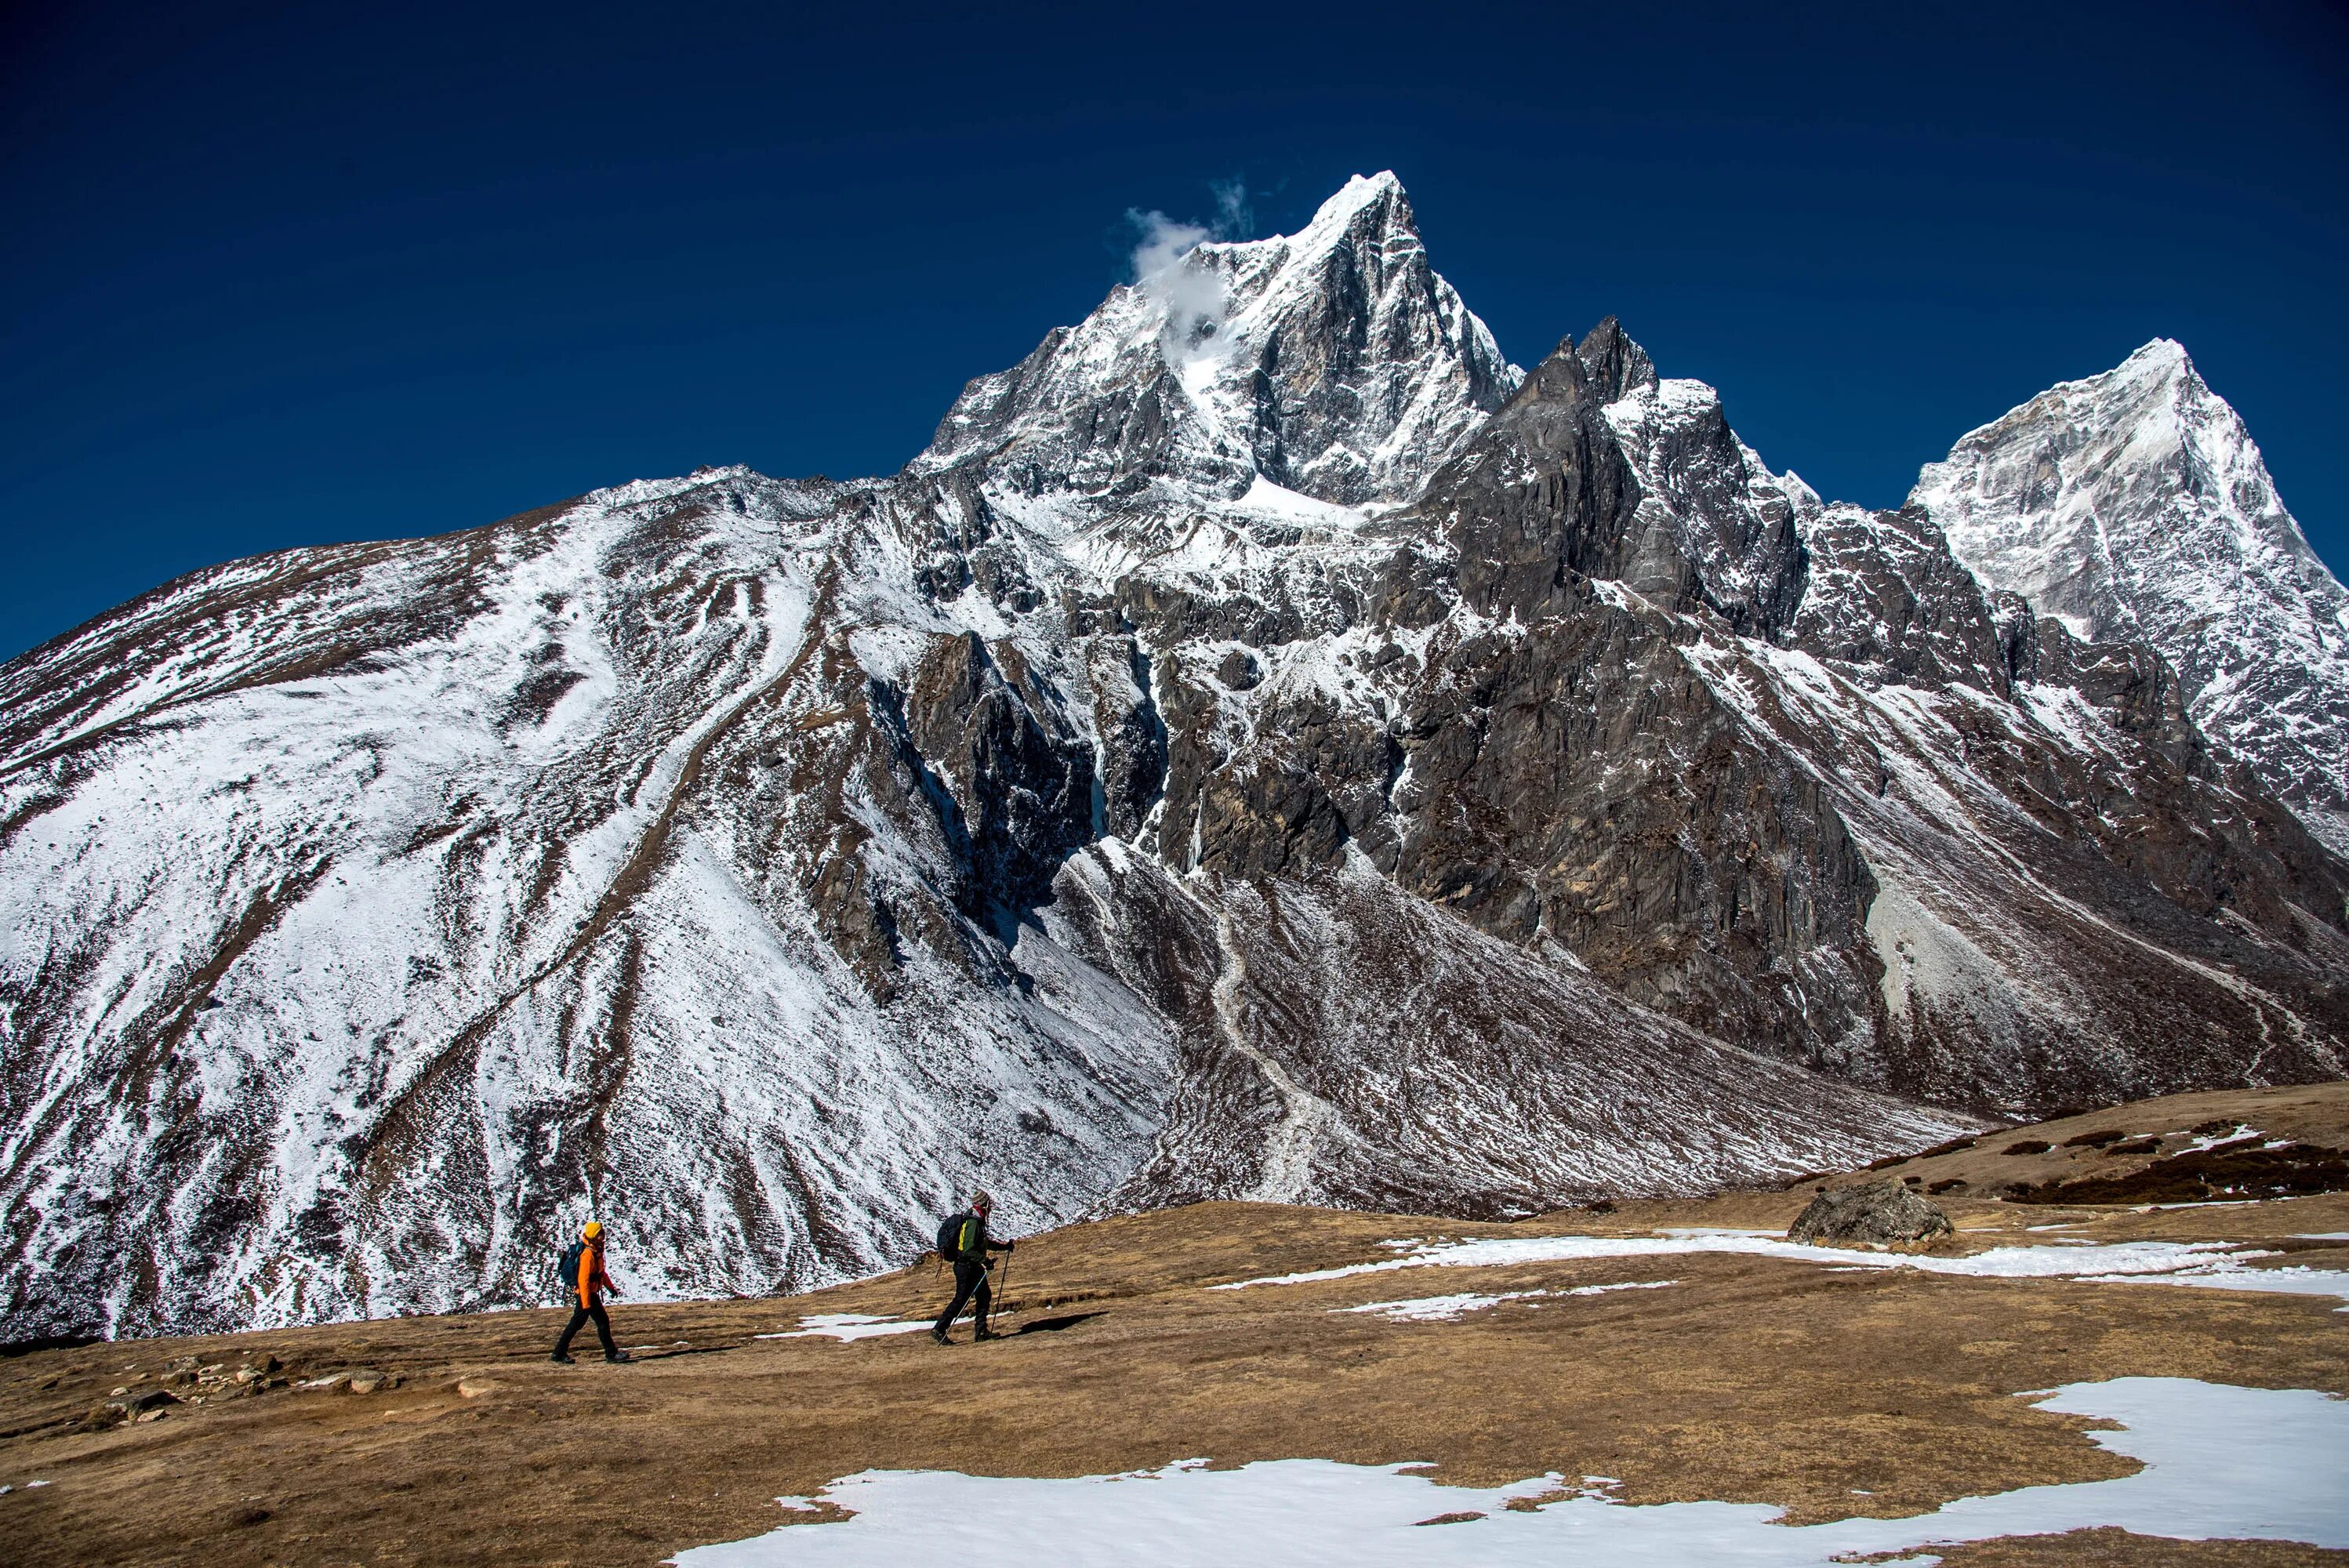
(1054, 1325)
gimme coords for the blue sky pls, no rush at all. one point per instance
(282, 274)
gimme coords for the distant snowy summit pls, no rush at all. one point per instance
(2135, 507)
(1267, 745)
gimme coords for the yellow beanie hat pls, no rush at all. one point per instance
(592, 1230)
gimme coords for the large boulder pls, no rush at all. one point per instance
(1883, 1212)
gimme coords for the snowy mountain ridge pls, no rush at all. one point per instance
(1296, 755)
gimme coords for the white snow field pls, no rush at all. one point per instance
(2219, 1463)
(2212, 1264)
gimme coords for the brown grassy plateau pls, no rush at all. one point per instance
(1754, 1379)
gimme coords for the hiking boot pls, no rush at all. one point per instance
(986, 1333)
(565, 1360)
(619, 1356)
(938, 1337)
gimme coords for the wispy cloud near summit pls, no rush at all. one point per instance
(1191, 295)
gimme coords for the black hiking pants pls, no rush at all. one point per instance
(579, 1317)
(970, 1286)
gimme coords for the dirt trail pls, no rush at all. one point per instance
(1753, 1379)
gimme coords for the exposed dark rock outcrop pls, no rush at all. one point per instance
(1879, 1213)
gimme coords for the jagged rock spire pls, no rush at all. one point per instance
(1597, 468)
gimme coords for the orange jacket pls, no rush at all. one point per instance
(592, 1280)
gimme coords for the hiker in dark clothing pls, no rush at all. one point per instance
(588, 1284)
(963, 1242)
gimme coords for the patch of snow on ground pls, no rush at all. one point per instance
(2207, 1263)
(1627, 1284)
(2219, 1463)
(1439, 1308)
(845, 1326)
(1714, 1231)
(2292, 1281)
(1452, 1308)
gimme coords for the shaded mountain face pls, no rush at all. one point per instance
(2135, 507)
(1267, 746)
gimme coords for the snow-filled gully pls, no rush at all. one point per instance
(2219, 1462)
(1305, 1117)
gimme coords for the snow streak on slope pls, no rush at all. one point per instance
(2134, 505)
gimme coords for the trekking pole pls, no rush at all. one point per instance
(1003, 1301)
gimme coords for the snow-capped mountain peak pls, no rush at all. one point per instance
(2133, 506)
(1333, 361)
(1360, 193)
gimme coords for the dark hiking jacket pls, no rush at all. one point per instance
(971, 1240)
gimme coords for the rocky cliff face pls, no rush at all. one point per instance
(2134, 507)
(1265, 746)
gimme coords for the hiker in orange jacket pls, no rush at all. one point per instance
(588, 1288)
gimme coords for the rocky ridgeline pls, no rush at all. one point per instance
(1267, 745)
